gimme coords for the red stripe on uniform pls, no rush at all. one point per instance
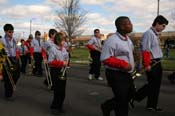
(146, 58)
(43, 52)
(90, 47)
(56, 63)
(116, 63)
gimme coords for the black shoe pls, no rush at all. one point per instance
(55, 112)
(105, 111)
(131, 102)
(157, 109)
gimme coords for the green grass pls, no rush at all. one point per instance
(169, 63)
(82, 54)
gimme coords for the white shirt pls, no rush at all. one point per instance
(96, 42)
(57, 53)
(36, 45)
(151, 42)
(9, 46)
(122, 49)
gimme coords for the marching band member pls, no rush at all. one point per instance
(12, 52)
(23, 57)
(36, 49)
(117, 56)
(50, 41)
(68, 47)
(47, 47)
(94, 45)
(152, 53)
(58, 59)
(28, 45)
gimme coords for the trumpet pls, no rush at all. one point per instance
(139, 73)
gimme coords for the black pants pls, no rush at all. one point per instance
(15, 76)
(59, 88)
(38, 63)
(96, 63)
(122, 87)
(23, 63)
(154, 78)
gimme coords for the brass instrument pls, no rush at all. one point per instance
(62, 75)
(10, 77)
(32, 63)
(63, 72)
(2, 60)
(139, 73)
(6, 63)
(48, 76)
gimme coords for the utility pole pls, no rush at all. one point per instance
(158, 7)
(30, 26)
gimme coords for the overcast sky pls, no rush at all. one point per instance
(101, 14)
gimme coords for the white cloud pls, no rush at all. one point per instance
(96, 2)
(20, 16)
(23, 11)
(3, 2)
(141, 13)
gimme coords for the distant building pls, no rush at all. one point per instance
(135, 37)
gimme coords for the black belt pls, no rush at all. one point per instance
(55, 68)
(155, 60)
(119, 71)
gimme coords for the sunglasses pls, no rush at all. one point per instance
(10, 31)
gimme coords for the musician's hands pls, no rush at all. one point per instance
(65, 63)
(31, 57)
(45, 60)
(129, 67)
(148, 68)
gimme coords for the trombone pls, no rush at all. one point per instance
(136, 74)
(8, 68)
(7, 65)
(62, 76)
(48, 76)
(63, 72)
(32, 63)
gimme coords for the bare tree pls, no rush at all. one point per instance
(70, 18)
(173, 17)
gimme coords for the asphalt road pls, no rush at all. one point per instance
(83, 97)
